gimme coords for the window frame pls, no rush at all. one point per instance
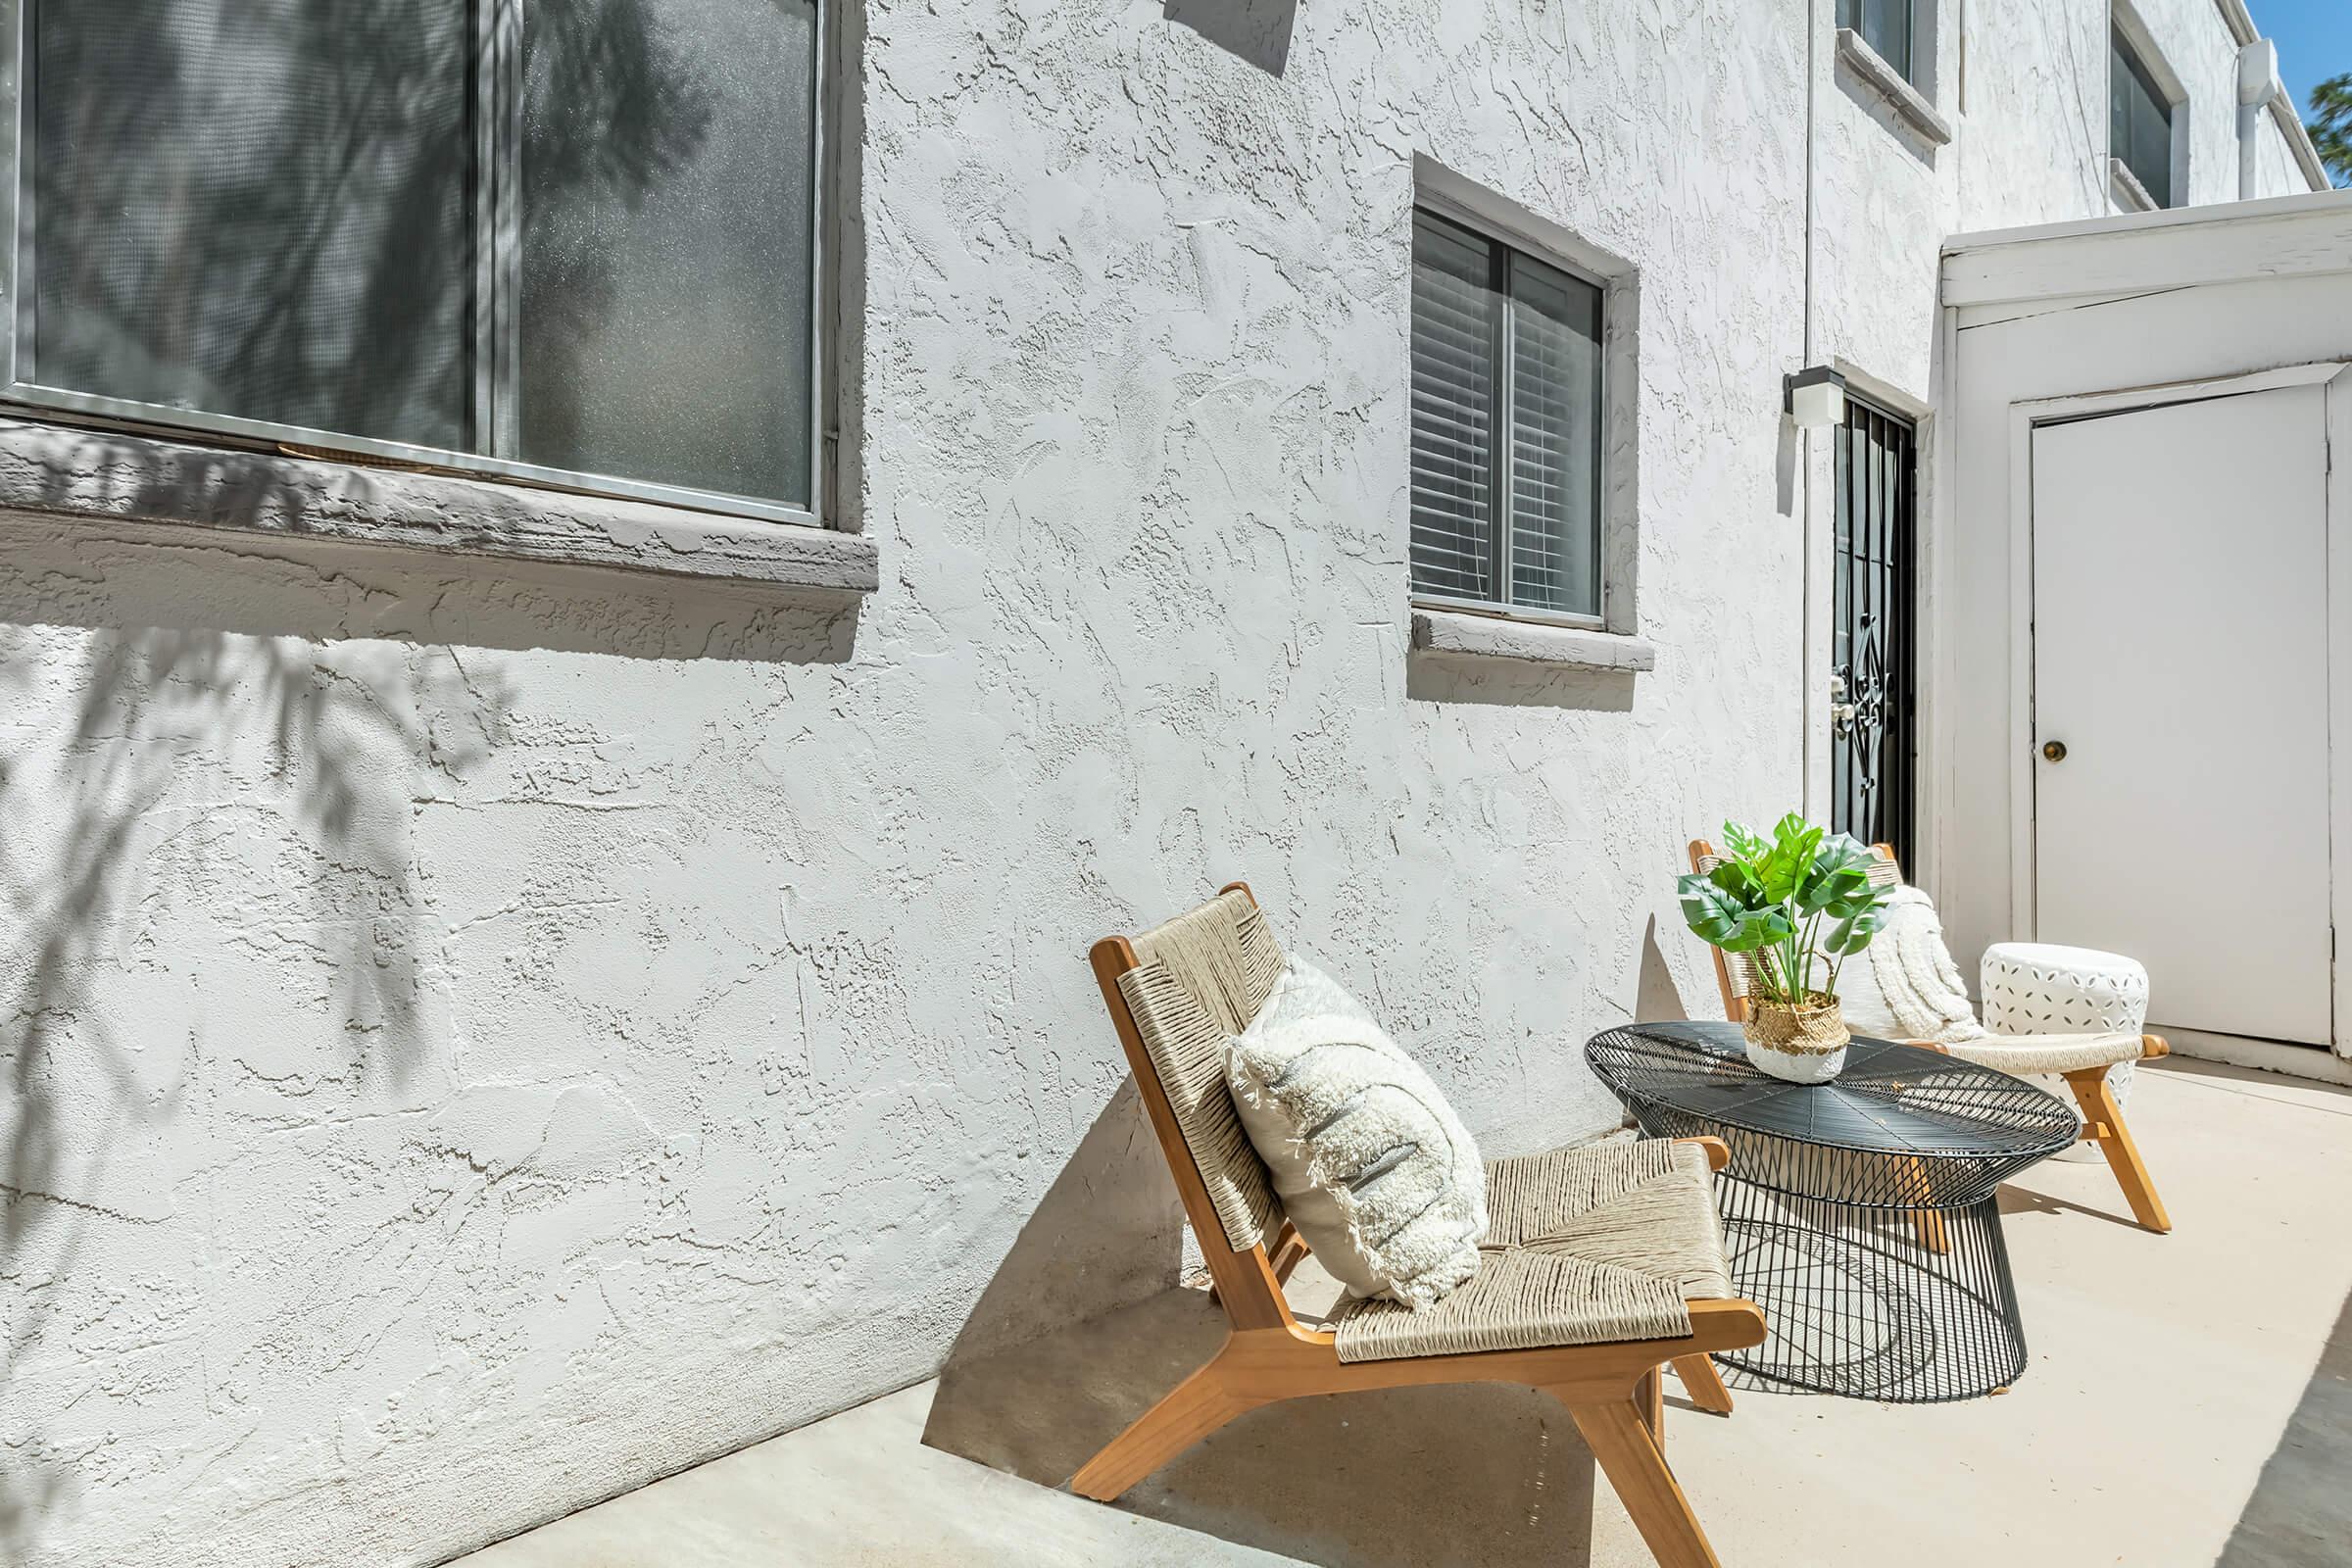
(496, 335)
(1907, 68)
(1509, 243)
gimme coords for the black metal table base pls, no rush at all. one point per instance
(1862, 1302)
(1859, 1214)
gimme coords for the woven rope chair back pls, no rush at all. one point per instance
(1739, 979)
(1199, 978)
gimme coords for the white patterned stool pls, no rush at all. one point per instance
(2035, 988)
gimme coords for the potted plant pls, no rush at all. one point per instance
(1796, 906)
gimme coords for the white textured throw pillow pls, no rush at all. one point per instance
(1904, 986)
(1372, 1164)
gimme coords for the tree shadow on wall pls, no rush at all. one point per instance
(322, 276)
(267, 213)
(101, 830)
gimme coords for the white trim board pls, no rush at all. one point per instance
(2175, 247)
(2339, 417)
(2315, 1062)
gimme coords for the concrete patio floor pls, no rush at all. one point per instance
(2189, 1402)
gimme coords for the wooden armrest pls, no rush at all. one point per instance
(1719, 1153)
(2152, 1046)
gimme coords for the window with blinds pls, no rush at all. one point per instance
(1506, 436)
(2140, 121)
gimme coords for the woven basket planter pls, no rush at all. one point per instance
(1800, 1045)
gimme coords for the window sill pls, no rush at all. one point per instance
(2130, 194)
(104, 477)
(1868, 67)
(1449, 632)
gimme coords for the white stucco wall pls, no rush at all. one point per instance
(2194, 41)
(478, 1040)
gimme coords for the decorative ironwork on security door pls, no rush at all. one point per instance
(1871, 694)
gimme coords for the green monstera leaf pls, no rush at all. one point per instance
(1838, 881)
(1851, 935)
(1727, 908)
(1800, 896)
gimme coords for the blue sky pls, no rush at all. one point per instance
(2315, 41)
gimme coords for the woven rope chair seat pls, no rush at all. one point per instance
(1583, 1246)
(2027, 1054)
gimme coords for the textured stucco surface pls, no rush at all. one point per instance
(115, 478)
(477, 1040)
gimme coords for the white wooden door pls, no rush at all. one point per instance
(2180, 659)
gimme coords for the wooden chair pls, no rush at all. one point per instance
(1174, 994)
(2083, 1060)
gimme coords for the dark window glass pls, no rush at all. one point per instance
(1884, 26)
(590, 250)
(1507, 424)
(2139, 122)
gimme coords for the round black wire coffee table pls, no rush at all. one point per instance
(1858, 1213)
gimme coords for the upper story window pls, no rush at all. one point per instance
(571, 242)
(1884, 26)
(2140, 121)
(1507, 430)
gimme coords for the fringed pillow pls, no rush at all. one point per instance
(1372, 1164)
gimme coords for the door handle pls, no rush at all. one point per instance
(2055, 750)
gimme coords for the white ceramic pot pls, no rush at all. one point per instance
(1798, 1066)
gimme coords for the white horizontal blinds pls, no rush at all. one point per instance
(1457, 317)
(1555, 439)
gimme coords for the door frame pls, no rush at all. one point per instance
(2025, 418)
(1819, 460)
(1904, 673)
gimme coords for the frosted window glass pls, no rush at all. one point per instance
(667, 253)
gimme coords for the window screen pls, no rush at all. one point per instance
(1506, 438)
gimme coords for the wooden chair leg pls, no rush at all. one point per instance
(1190, 1411)
(1621, 1444)
(1649, 1397)
(2114, 1138)
(1703, 1383)
(1926, 1223)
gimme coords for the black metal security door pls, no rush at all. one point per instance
(1871, 694)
